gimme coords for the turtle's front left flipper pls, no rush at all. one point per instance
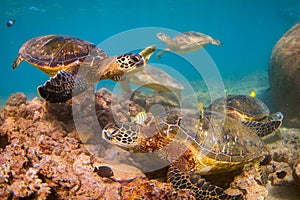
(265, 128)
(62, 87)
(199, 186)
(158, 55)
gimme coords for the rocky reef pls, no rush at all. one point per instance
(55, 151)
(285, 74)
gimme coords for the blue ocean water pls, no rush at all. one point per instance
(248, 30)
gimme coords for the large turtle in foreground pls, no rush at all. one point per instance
(193, 143)
(75, 64)
(250, 111)
(186, 42)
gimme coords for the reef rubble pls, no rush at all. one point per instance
(47, 151)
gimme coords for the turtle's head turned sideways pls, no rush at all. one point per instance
(127, 63)
(147, 52)
(163, 37)
(217, 42)
(125, 137)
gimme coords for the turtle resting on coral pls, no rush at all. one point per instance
(186, 42)
(75, 64)
(194, 144)
(250, 111)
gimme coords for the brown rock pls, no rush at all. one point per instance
(152, 190)
(296, 171)
(285, 75)
(16, 99)
(247, 182)
(281, 175)
(42, 156)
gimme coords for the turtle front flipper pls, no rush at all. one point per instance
(62, 87)
(264, 128)
(17, 61)
(199, 186)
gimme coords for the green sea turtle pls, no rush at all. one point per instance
(193, 143)
(250, 111)
(153, 78)
(186, 42)
(75, 64)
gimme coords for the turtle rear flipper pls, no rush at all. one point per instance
(199, 186)
(62, 87)
(158, 55)
(266, 127)
(17, 61)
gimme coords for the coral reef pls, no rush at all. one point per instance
(55, 151)
(42, 155)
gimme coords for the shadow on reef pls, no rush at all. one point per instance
(45, 155)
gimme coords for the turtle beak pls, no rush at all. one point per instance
(109, 132)
(148, 52)
(217, 42)
(138, 60)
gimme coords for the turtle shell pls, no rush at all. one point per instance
(192, 38)
(216, 136)
(52, 53)
(156, 79)
(249, 107)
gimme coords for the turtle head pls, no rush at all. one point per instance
(217, 42)
(163, 37)
(147, 53)
(126, 64)
(125, 137)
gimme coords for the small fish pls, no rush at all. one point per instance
(34, 8)
(104, 171)
(201, 110)
(140, 118)
(226, 91)
(252, 93)
(10, 23)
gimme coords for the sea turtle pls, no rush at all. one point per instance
(153, 78)
(75, 64)
(186, 42)
(193, 143)
(250, 111)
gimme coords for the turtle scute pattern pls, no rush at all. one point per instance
(75, 64)
(55, 52)
(251, 111)
(186, 42)
(153, 78)
(194, 145)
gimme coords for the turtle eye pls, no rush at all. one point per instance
(136, 58)
(110, 131)
(114, 132)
